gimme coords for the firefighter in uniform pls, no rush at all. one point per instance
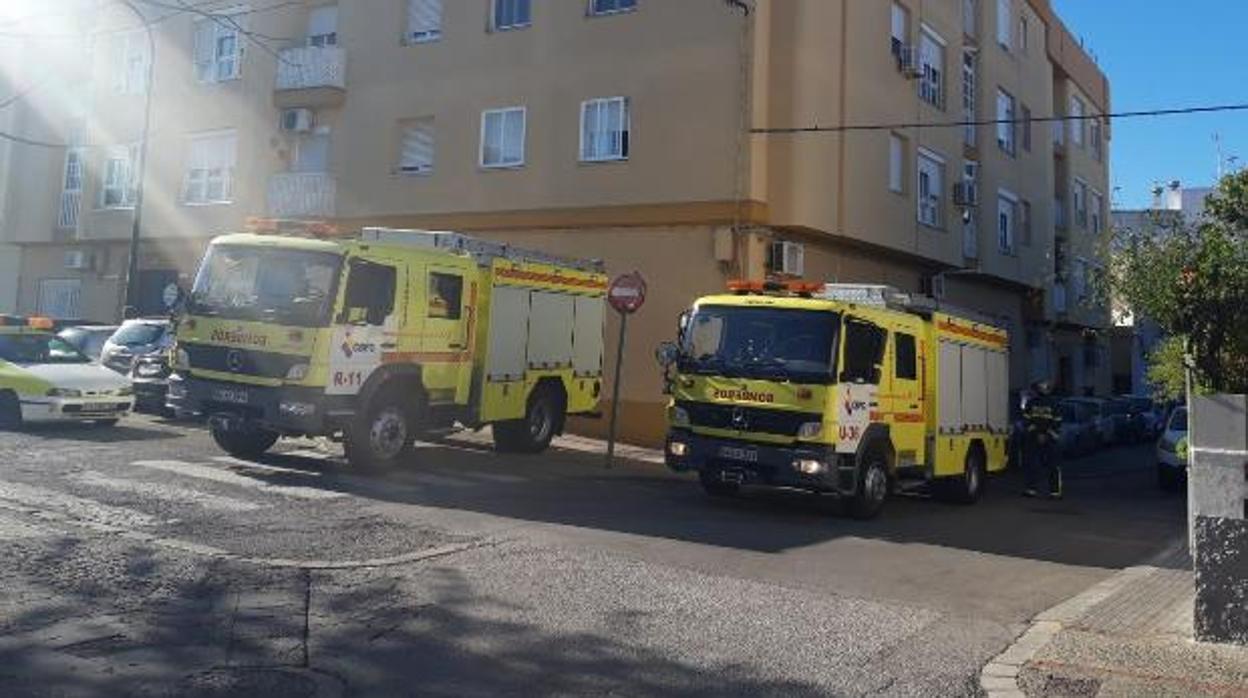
(1043, 423)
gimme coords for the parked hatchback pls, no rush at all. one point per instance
(133, 339)
(1171, 451)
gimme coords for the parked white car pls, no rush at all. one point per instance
(1172, 452)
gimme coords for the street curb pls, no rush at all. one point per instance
(999, 677)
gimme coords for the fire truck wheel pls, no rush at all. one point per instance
(872, 485)
(10, 412)
(244, 443)
(715, 486)
(969, 487)
(532, 434)
(382, 436)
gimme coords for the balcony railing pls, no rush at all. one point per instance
(1058, 298)
(309, 67)
(302, 195)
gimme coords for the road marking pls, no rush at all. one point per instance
(162, 491)
(212, 474)
(76, 507)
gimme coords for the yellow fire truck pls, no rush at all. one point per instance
(836, 389)
(379, 339)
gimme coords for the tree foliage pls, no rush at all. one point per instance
(1191, 278)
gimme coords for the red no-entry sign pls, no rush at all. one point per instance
(627, 293)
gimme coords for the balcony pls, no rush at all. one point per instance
(71, 206)
(311, 76)
(302, 195)
(1057, 298)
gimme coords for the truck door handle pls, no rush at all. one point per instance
(456, 345)
(388, 345)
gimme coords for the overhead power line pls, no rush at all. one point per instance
(902, 125)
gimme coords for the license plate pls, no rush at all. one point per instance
(97, 408)
(235, 396)
(744, 455)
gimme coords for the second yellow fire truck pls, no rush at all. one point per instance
(837, 389)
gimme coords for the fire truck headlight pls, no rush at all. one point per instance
(810, 430)
(297, 372)
(809, 466)
(181, 360)
(680, 417)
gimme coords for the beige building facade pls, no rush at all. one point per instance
(689, 140)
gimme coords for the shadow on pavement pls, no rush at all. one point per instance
(121, 433)
(1113, 515)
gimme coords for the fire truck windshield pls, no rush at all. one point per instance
(266, 284)
(764, 343)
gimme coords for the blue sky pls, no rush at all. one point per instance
(1165, 54)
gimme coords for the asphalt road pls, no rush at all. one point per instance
(140, 561)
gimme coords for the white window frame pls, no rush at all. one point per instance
(204, 177)
(1079, 200)
(1097, 137)
(1007, 112)
(899, 28)
(1024, 28)
(896, 163)
(426, 27)
(1077, 111)
(1007, 209)
(933, 77)
(209, 69)
(970, 89)
(323, 39)
(496, 26)
(931, 209)
(1005, 24)
(625, 140)
(428, 124)
(120, 162)
(129, 72)
(1096, 211)
(501, 113)
(594, 11)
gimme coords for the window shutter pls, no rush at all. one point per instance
(205, 49)
(417, 147)
(424, 19)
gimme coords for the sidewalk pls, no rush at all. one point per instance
(1131, 635)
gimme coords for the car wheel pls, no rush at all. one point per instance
(543, 418)
(10, 412)
(715, 486)
(381, 437)
(872, 490)
(969, 487)
(251, 442)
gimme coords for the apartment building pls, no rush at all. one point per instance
(649, 133)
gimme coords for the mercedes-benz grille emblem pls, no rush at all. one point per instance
(739, 420)
(234, 360)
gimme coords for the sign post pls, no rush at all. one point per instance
(626, 295)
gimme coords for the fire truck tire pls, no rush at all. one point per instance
(382, 435)
(10, 412)
(542, 420)
(968, 488)
(248, 443)
(872, 490)
(714, 485)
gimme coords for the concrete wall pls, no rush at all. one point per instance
(1218, 506)
(10, 267)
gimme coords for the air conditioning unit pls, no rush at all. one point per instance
(907, 59)
(966, 194)
(296, 120)
(78, 260)
(787, 258)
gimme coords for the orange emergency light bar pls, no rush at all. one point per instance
(798, 288)
(35, 322)
(319, 229)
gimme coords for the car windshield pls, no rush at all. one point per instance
(39, 349)
(133, 334)
(1178, 420)
(295, 288)
(772, 343)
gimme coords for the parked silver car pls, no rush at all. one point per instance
(133, 339)
(88, 339)
(1102, 415)
(1079, 434)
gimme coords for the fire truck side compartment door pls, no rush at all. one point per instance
(949, 386)
(509, 333)
(587, 336)
(550, 330)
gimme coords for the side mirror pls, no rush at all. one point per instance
(666, 354)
